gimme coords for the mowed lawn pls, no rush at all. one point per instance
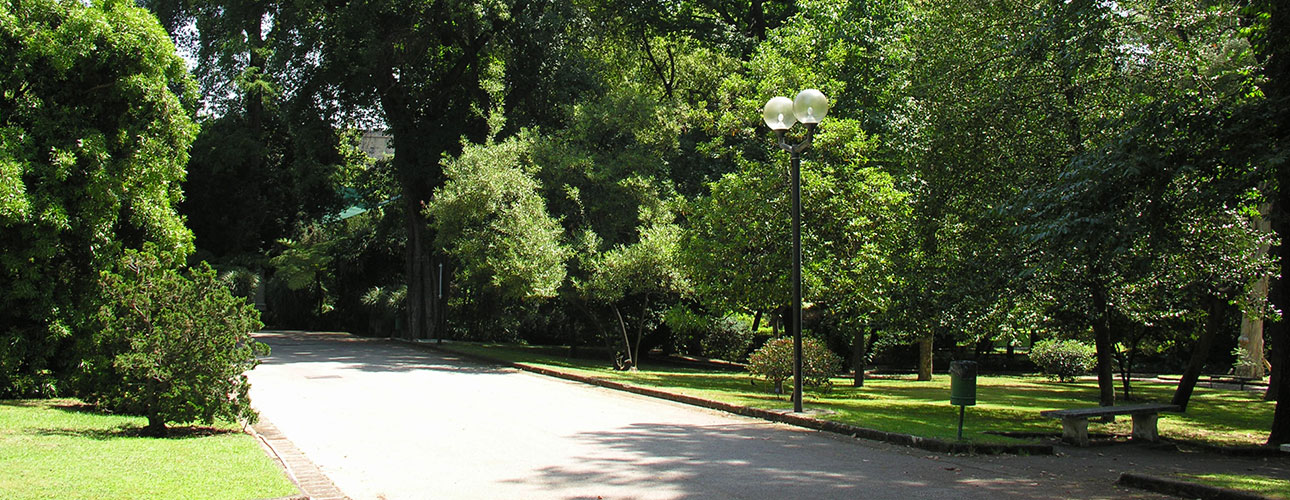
(901, 404)
(63, 449)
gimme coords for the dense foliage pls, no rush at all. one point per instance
(774, 362)
(95, 124)
(595, 172)
(1063, 360)
(174, 346)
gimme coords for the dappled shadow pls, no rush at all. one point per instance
(366, 355)
(758, 461)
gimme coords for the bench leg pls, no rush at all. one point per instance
(1075, 430)
(1144, 427)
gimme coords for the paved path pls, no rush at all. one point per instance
(390, 421)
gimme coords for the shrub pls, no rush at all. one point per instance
(173, 347)
(727, 338)
(1063, 360)
(774, 362)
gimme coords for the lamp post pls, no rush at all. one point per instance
(780, 113)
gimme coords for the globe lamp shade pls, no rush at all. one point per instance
(810, 106)
(778, 113)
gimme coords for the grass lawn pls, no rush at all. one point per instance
(905, 405)
(62, 449)
(1270, 487)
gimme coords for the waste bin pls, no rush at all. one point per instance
(963, 383)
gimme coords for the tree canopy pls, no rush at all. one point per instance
(96, 117)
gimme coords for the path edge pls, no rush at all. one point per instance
(1186, 489)
(925, 443)
(303, 472)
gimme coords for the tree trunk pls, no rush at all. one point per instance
(1200, 353)
(1279, 295)
(858, 352)
(925, 358)
(1126, 374)
(756, 321)
(757, 24)
(1274, 381)
(156, 427)
(640, 333)
(1251, 339)
(1277, 70)
(414, 265)
(1102, 341)
(627, 341)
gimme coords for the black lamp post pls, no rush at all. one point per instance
(780, 113)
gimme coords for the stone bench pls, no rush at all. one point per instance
(1075, 420)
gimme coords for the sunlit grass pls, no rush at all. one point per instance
(62, 449)
(1270, 487)
(904, 405)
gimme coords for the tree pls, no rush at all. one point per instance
(1043, 97)
(490, 219)
(639, 274)
(95, 123)
(271, 155)
(1270, 35)
(422, 65)
(174, 346)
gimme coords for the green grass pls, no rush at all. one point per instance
(905, 405)
(1270, 487)
(63, 449)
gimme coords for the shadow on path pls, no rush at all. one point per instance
(757, 461)
(375, 355)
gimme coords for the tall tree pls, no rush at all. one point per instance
(1270, 34)
(95, 123)
(420, 64)
(270, 153)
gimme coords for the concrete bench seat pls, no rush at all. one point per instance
(1075, 420)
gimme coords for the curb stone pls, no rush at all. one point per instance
(308, 478)
(1186, 489)
(930, 444)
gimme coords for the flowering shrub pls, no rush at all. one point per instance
(1063, 360)
(774, 362)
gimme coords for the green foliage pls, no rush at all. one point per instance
(727, 338)
(1063, 360)
(774, 362)
(249, 185)
(853, 218)
(302, 263)
(648, 266)
(174, 346)
(95, 124)
(491, 219)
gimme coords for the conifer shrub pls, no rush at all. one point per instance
(174, 345)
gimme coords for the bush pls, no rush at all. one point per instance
(1063, 360)
(174, 347)
(727, 338)
(774, 362)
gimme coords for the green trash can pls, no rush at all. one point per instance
(963, 383)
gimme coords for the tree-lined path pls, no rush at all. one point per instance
(385, 420)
